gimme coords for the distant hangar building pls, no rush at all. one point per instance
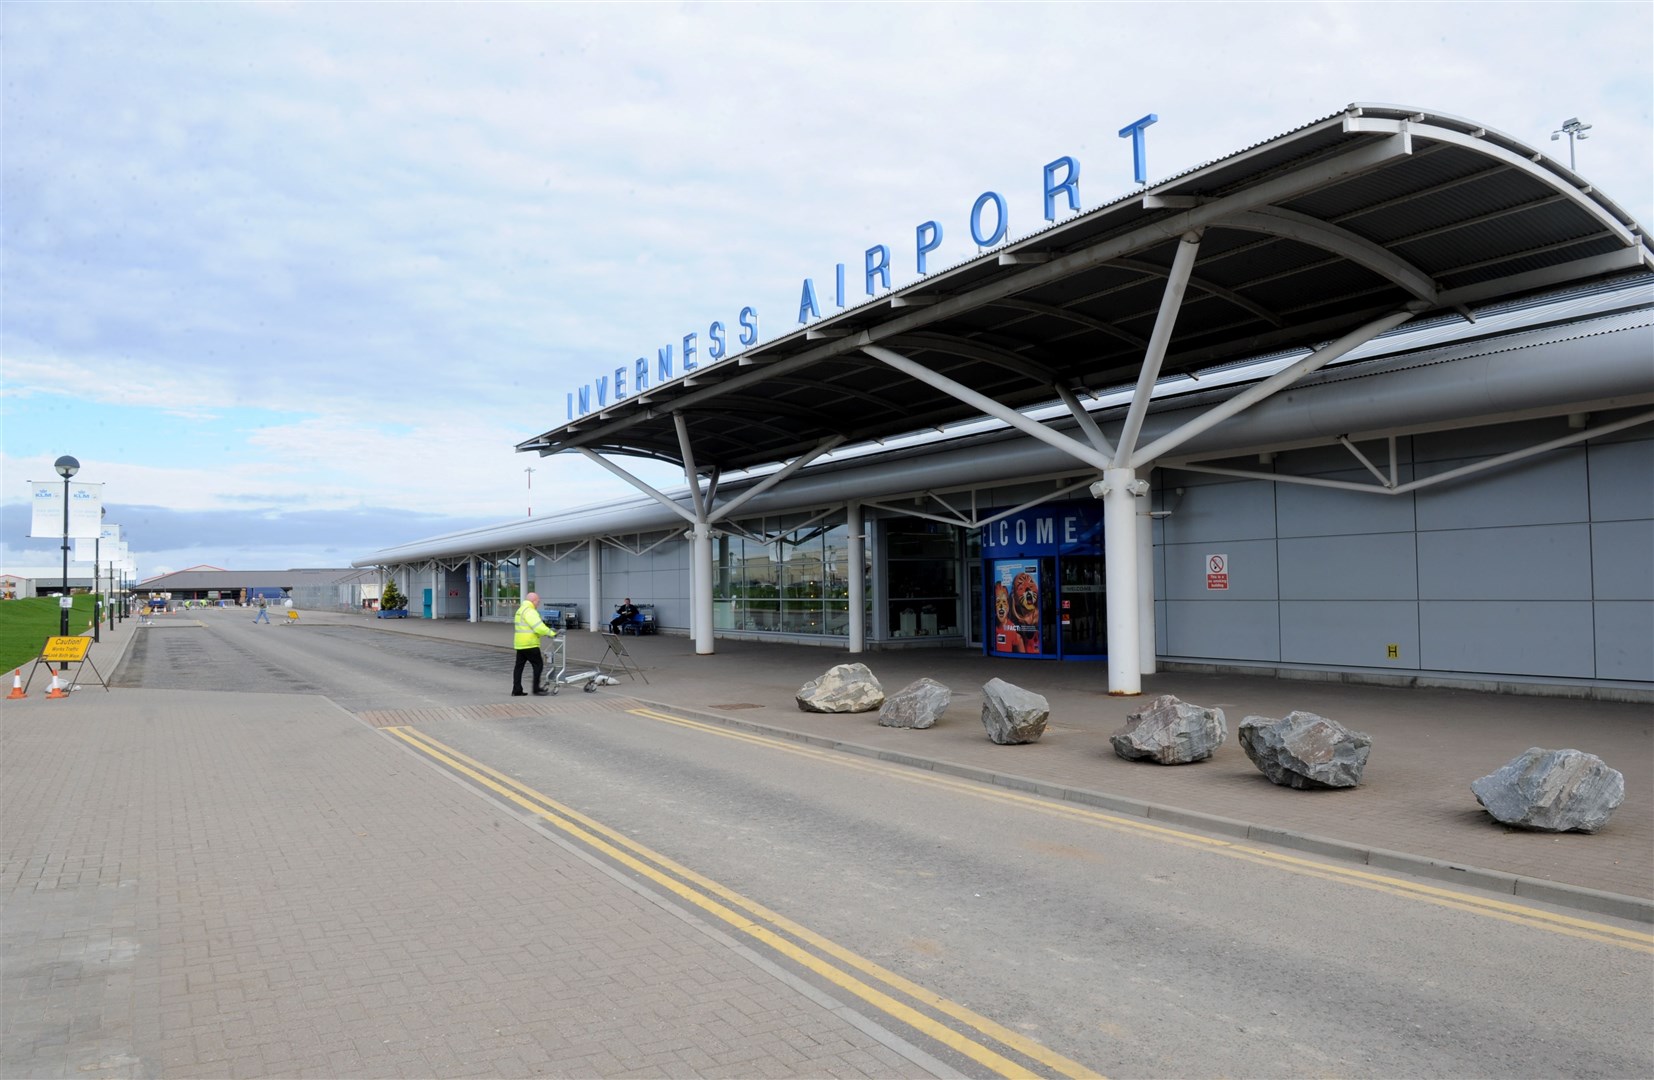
(1373, 399)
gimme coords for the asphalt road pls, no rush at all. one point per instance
(1113, 945)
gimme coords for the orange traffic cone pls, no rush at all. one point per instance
(16, 685)
(57, 689)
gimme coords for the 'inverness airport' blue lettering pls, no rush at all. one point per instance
(1139, 149)
(1061, 180)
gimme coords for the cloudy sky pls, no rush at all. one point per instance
(291, 279)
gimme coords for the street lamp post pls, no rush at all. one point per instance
(66, 467)
(530, 471)
(97, 584)
(1572, 128)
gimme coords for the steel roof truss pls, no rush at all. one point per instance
(666, 501)
(1208, 288)
(1392, 488)
(1281, 379)
(1589, 267)
(540, 553)
(1078, 318)
(1291, 225)
(1387, 481)
(982, 403)
(1544, 177)
(689, 476)
(638, 548)
(1087, 423)
(978, 350)
(974, 522)
(1171, 301)
(721, 512)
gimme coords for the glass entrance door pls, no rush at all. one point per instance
(1083, 618)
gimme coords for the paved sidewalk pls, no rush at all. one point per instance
(203, 884)
(1413, 810)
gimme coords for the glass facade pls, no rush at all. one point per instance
(922, 560)
(779, 580)
(499, 585)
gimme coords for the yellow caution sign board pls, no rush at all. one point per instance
(66, 649)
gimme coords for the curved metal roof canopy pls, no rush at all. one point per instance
(1373, 211)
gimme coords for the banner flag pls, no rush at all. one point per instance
(85, 510)
(108, 546)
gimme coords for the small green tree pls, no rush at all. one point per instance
(392, 599)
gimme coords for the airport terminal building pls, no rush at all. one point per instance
(1373, 399)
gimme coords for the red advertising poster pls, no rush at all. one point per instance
(1016, 584)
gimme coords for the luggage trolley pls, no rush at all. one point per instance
(560, 675)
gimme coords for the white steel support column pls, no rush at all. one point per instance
(473, 590)
(700, 587)
(594, 585)
(1129, 604)
(700, 551)
(1145, 590)
(857, 555)
(1118, 487)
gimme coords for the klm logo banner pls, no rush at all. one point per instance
(85, 510)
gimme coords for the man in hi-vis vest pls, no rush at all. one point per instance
(530, 629)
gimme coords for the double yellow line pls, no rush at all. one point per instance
(1488, 907)
(854, 974)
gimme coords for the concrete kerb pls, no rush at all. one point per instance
(1558, 893)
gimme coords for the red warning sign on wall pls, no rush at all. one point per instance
(1217, 571)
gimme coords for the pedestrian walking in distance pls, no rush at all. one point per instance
(263, 615)
(530, 629)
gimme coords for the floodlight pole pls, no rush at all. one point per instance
(1575, 130)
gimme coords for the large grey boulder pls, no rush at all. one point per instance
(1012, 714)
(1170, 732)
(916, 705)
(1302, 750)
(1552, 791)
(847, 688)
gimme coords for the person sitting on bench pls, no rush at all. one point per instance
(624, 614)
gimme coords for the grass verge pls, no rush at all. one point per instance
(26, 624)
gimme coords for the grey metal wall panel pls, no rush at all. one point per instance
(1343, 633)
(1316, 511)
(1539, 562)
(1524, 637)
(1378, 567)
(1327, 460)
(1251, 571)
(1622, 560)
(1236, 510)
(1453, 445)
(1245, 630)
(1625, 640)
(1537, 491)
(1622, 480)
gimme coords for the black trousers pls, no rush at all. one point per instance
(533, 657)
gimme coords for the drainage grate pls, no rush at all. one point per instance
(737, 705)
